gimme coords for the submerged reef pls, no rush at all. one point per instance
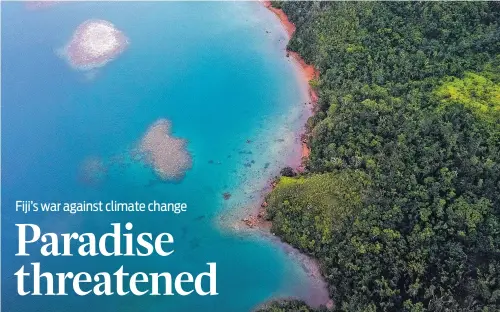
(94, 43)
(166, 154)
(35, 5)
(92, 171)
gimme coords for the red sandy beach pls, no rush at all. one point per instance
(309, 72)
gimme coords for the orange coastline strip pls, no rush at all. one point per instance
(309, 72)
(289, 26)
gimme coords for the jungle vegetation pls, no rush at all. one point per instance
(400, 201)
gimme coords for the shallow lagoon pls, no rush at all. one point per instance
(209, 68)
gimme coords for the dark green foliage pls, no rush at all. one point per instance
(287, 306)
(288, 172)
(425, 234)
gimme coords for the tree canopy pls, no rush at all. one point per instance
(400, 201)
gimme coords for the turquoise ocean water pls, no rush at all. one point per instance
(228, 89)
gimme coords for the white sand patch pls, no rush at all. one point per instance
(99, 38)
(94, 43)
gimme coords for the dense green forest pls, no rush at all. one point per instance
(400, 201)
(286, 306)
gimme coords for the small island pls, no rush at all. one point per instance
(94, 44)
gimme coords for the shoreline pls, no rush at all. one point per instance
(319, 294)
(308, 71)
(254, 220)
(249, 219)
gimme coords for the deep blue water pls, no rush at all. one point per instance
(209, 68)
